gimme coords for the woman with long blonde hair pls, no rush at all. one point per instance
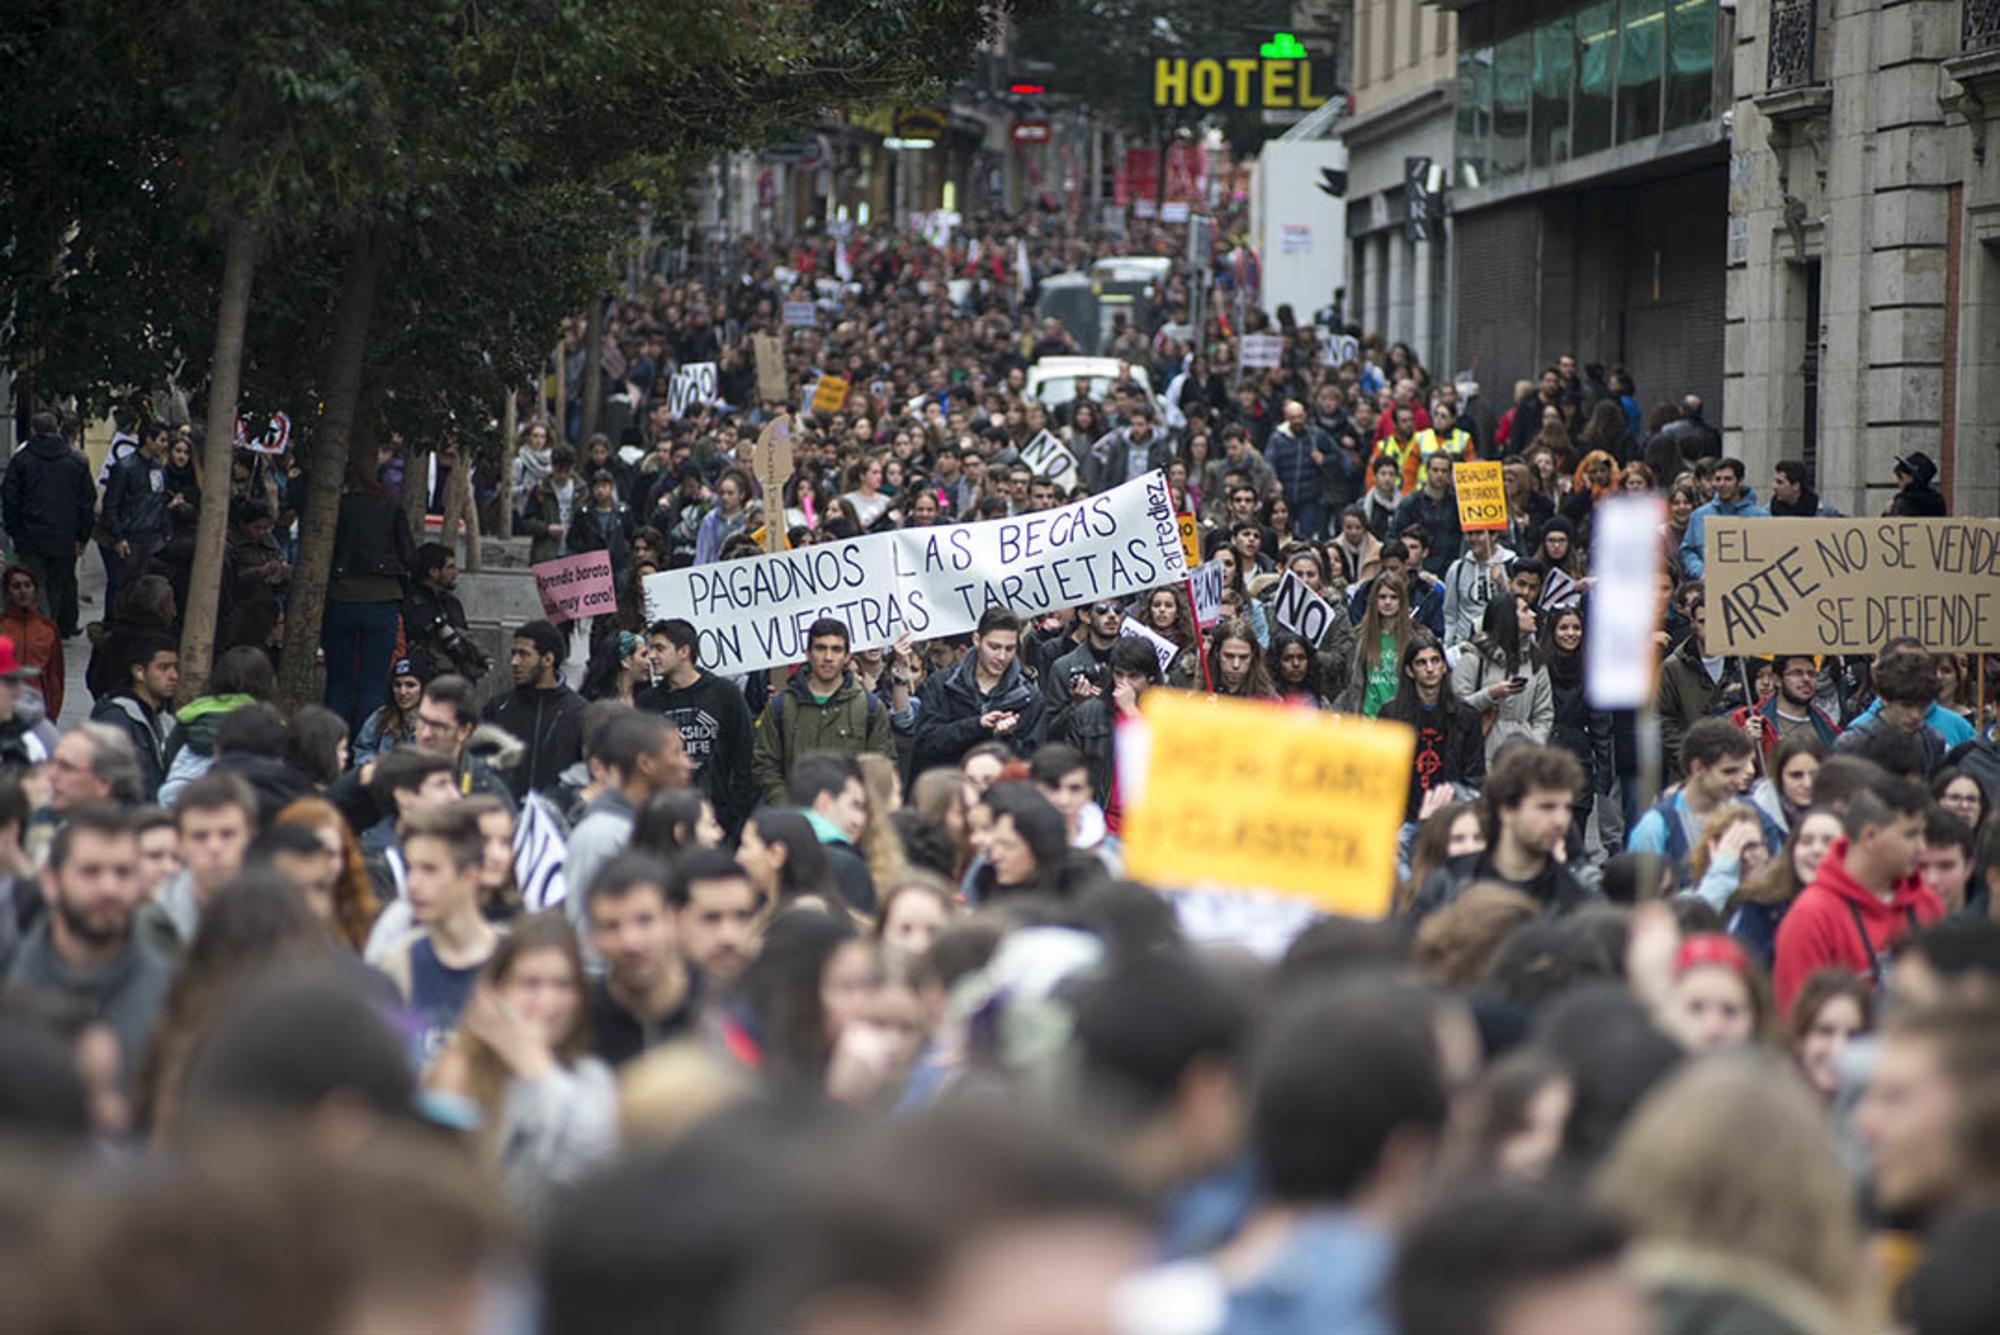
(353, 907)
(1730, 1179)
(879, 843)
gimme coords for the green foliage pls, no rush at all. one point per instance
(503, 146)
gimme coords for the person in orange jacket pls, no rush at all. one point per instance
(36, 638)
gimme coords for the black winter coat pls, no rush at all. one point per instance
(951, 706)
(135, 501)
(547, 722)
(47, 499)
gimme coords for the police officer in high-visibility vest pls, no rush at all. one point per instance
(1446, 436)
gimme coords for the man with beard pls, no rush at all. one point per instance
(83, 949)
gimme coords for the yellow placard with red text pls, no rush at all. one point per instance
(1263, 796)
(1482, 496)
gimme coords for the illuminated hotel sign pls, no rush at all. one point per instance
(1277, 78)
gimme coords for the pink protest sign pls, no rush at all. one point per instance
(576, 586)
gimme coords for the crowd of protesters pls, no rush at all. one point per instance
(817, 1000)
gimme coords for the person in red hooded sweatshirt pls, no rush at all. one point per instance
(1865, 899)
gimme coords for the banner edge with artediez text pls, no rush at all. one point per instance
(1847, 586)
(754, 613)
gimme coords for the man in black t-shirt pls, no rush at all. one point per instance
(648, 995)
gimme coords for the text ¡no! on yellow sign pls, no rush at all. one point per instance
(1190, 539)
(1482, 496)
(1267, 796)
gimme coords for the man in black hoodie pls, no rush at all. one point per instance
(49, 504)
(712, 715)
(540, 711)
(1917, 496)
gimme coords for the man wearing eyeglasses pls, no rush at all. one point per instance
(1788, 709)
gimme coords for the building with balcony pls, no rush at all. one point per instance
(1402, 79)
(1864, 245)
(1589, 195)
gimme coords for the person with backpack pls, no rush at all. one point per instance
(820, 709)
(1720, 760)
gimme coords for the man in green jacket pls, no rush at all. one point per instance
(820, 709)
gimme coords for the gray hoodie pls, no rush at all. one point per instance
(127, 994)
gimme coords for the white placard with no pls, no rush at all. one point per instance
(693, 387)
(1049, 457)
(1301, 611)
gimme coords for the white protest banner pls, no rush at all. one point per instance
(1051, 458)
(576, 586)
(754, 613)
(801, 313)
(1624, 601)
(1301, 611)
(1163, 648)
(1207, 581)
(1262, 350)
(693, 387)
(1174, 211)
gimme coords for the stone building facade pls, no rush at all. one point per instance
(1588, 200)
(1403, 73)
(1864, 245)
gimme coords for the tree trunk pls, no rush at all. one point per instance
(473, 556)
(225, 377)
(454, 503)
(416, 489)
(332, 464)
(593, 372)
(510, 431)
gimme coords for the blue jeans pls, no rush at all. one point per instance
(360, 642)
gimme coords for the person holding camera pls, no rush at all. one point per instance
(434, 626)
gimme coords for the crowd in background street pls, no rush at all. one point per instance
(816, 999)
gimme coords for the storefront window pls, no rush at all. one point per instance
(1613, 72)
(1596, 60)
(1555, 69)
(1475, 115)
(1641, 57)
(1513, 71)
(1690, 62)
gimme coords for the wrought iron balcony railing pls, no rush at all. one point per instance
(1794, 42)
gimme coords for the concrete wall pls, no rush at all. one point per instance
(1883, 188)
(1401, 292)
(1400, 47)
